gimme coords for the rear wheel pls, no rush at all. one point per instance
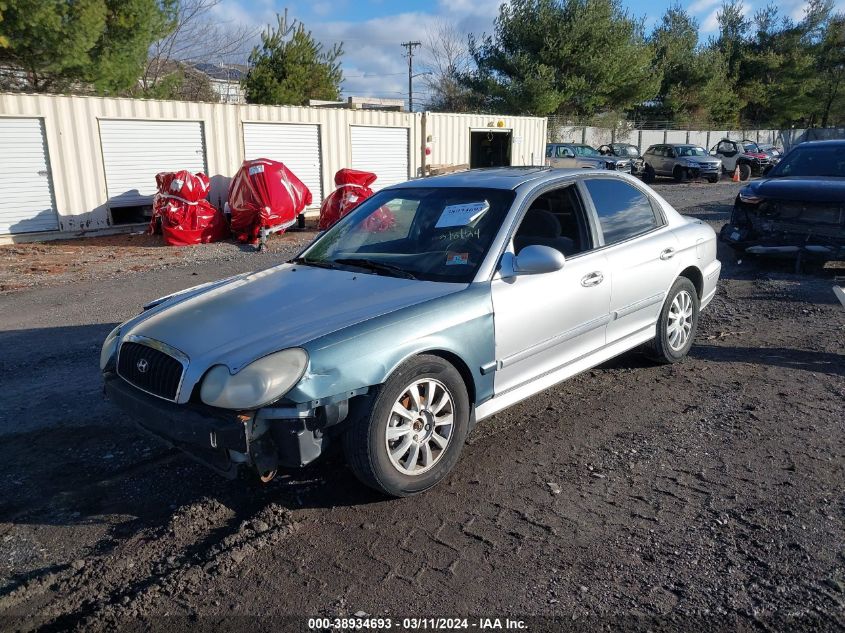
(677, 324)
(413, 434)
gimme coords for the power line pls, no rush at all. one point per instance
(411, 46)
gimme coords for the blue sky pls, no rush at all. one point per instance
(372, 30)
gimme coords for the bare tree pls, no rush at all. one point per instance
(446, 58)
(197, 37)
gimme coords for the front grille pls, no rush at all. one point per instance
(150, 369)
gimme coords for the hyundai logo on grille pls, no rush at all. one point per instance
(142, 365)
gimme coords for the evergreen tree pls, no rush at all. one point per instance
(576, 57)
(62, 44)
(290, 67)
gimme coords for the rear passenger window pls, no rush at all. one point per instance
(624, 211)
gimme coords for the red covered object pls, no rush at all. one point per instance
(353, 186)
(186, 216)
(265, 193)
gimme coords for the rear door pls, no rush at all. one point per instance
(640, 251)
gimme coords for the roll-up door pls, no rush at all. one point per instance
(26, 191)
(294, 144)
(135, 151)
(381, 150)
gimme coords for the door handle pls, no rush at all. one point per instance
(593, 279)
(668, 253)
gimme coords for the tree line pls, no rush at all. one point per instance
(583, 58)
(576, 58)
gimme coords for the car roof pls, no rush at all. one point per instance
(828, 143)
(490, 177)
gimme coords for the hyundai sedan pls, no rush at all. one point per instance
(396, 339)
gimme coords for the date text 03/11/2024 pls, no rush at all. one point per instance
(416, 624)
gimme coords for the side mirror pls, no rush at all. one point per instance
(537, 259)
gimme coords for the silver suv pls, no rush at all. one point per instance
(681, 162)
(584, 156)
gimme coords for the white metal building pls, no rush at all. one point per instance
(72, 164)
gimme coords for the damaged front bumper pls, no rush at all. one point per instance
(264, 440)
(786, 230)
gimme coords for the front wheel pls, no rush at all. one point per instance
(679, 174)
(649, 176)
(412, 436)
(713, 179)
(677, 324)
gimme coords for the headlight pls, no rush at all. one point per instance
(749, 198)
(109, 347)
(257, 384)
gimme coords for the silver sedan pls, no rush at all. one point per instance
(470, 293)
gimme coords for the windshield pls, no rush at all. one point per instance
(433, 234)
(626, 150)
(585, 150)
(812, 161)
(689, 150)
(751, 147)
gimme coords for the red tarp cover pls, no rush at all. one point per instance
(186, 216)
(353, 187)
(265, 193)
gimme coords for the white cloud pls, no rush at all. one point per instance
(700, 6)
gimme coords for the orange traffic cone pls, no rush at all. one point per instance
(735, 177)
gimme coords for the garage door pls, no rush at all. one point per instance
(135, 151)
(26, 193)
(383, 151)
(297, 146)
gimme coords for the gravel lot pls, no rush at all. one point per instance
(702, 496)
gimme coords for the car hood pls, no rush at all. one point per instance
(701, 159)
(800, 189)
(286, 306)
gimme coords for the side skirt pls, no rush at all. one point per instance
(559, 374)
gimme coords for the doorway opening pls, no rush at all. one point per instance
(489, 148)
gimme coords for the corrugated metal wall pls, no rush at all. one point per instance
(71, 126)
(72, 130)
(449, 137)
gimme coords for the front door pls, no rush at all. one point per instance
(545, 321)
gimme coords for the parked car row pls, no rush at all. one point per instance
(681, 161)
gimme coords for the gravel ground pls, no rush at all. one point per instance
(702, 496)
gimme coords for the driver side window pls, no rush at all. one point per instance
(555, 218)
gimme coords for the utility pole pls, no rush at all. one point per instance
(411, 46)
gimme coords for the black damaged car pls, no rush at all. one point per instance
(797, 210)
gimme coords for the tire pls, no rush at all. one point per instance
(679, 174)
(665, 348)
(713, 179)
(744, 171)
(648, 174)
(367, 445)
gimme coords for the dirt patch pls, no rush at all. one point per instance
(57, 262)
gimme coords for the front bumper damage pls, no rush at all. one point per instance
(283, 436)
(809, 232)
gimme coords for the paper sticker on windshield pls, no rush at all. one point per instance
(456, 259)
(256, 169)
(461, 214)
